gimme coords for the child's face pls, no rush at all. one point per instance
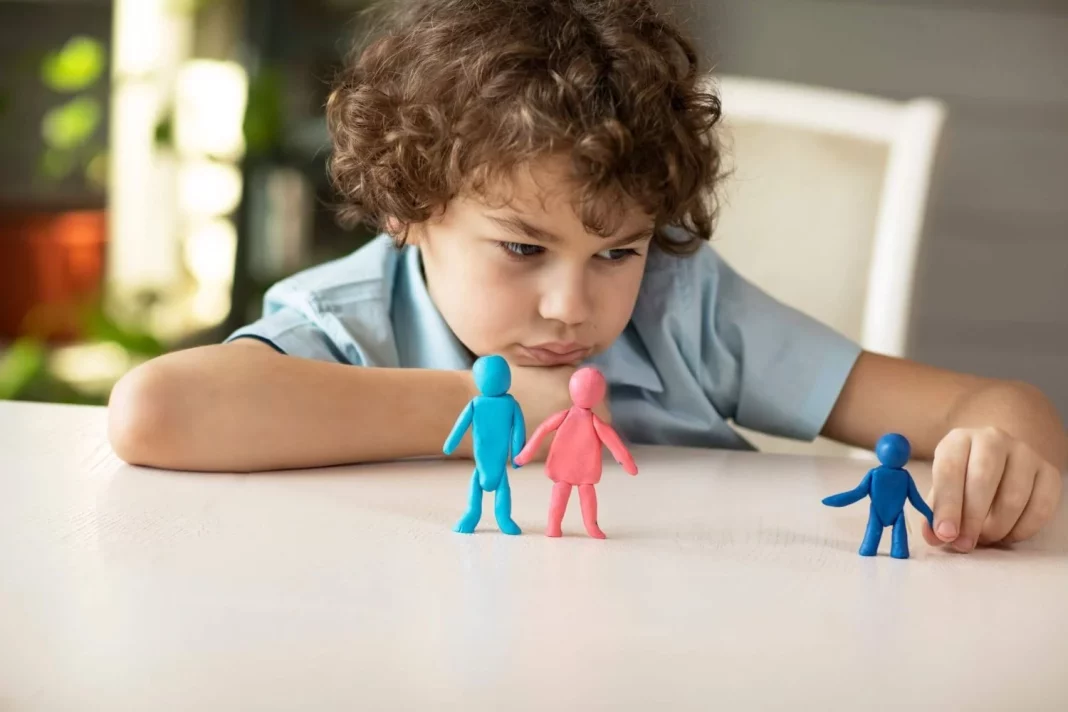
(521, 277)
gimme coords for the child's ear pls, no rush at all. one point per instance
(400, 232)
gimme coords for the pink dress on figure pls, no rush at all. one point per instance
(575, 454)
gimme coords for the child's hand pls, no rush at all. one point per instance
(989, 487)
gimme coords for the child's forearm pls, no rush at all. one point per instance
(244, 407)
(924, 403)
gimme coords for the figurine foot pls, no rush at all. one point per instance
(868, 551)
(508, 526)
(595, 531)
(466, 525)
(553, 532)
(900, 553)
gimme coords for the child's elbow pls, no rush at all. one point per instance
(141, 416)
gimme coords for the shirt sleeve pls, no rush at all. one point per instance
(293, 325)
(776, 370)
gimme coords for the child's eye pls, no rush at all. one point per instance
(617, 255)
(521, 250)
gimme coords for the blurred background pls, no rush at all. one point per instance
(163, 161)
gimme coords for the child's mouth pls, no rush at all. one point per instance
(555, 354)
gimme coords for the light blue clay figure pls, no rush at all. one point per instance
(499, 434)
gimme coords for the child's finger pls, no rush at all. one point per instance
(947, 490)
(1012, 495)
(1045, 497)
(986, 465)
(929, 536)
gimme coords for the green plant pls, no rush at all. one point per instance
(25, 373)
(75, 67)
(20, 366)
(68, 128)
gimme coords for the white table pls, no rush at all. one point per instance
(724, 584)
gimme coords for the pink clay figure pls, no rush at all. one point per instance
(575, 454)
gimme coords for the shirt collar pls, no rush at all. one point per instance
(627, 363)
(424, 340)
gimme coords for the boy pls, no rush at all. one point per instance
(545, 167)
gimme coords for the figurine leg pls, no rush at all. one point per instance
(588, 499)
(557, 506)
(502, 507)
(899, 547)
(469, 521)
(874, 533)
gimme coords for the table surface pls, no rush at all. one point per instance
(724, 584)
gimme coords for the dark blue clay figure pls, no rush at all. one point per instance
(499, 434)
(888, 486)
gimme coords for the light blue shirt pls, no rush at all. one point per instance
(704, 347)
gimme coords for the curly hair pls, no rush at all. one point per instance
(453, 95)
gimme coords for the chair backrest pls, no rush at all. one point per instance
(825, 205)
(825, 202)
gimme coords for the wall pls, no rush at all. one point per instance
(992, 291)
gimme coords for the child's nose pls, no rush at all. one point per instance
(564, 299)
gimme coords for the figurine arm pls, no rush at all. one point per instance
(458, 430)
(519, 432)
(919, 504)
(856, 494)
(551, 423)
(612, 441)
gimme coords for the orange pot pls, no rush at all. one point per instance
(51, 264)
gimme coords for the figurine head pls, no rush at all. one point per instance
(587, 387)
(893, 450)
(492, 375)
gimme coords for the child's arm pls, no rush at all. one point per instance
(244, 407)
(998, 446)
(612, 441)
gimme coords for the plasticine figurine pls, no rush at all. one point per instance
(575, 454)
(888, 486)
(498, 433)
